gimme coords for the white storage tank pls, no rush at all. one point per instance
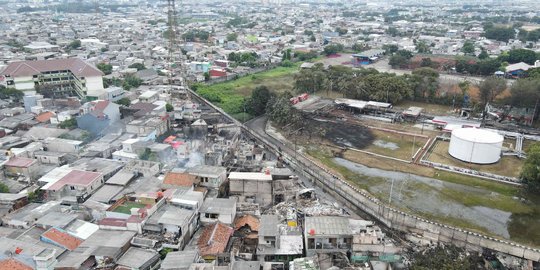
(475, 145)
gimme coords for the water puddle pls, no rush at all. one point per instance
(423, 194)
(385, 144)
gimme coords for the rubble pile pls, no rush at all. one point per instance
(308, 207)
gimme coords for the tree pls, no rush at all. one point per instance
(68, 124)
(490, 88)
(131, 81)
(287, 54)
(426, 62)
(426, 82)
(194, 35)
(359, 47)
(483, 54)
(404, 53)
(499, 33)
(341, 31)
(390, 48)
(280, 111)
(398, 61)
(487, 67)
(422, 47)
(138, 66)
(530, 172)
(75, 44)
(257, 103)
(4, 188)
(392, 31)
(521, 55)
(10, 93)
(525, 93)
(305, 56)
(310, 80)
(533, 73)
(286, 63)
(333, 49)
(232, 36)
(169, 107)
(206, 76)
(105, 68)
(124, 102)
(468, 47)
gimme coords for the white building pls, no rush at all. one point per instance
(56, 77)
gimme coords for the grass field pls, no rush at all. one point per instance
(126, 207)
(507, 166)
(252, 38)
(230, 95)
(395, 145)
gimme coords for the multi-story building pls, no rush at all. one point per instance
(54, 78)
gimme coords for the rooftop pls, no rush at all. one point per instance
(76, 178)
(62, 238)
(207, 171)
(249, 220)
(257, 176)
(138, 258)
(30, 68)
(179, 259)
(214, 239)
(13, 264)
(328, 225)
(176, 216)
(179, 179)
(20, 162)
(269, 225)
(219, 206)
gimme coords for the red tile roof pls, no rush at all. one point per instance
(249, 220)
(30, 68)
(179, 179)
(62, 238)
(214, 239)
(44, 117)
(19, 162)
(101, 105)
(13, 264)
(76, 178)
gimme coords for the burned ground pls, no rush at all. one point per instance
(339, 133)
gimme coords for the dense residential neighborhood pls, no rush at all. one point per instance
(269, 134)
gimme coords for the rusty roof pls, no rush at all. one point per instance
(249, 220)
(13, 264)
(62, 239)
(179, 179)
(44, 117)
(29, 68)
(214, 239)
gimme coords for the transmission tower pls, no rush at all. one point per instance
(171, 14)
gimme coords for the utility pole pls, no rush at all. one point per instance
(171, 20)
(391, 190)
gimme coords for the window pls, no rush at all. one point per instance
(72, 187)
(311, 243)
